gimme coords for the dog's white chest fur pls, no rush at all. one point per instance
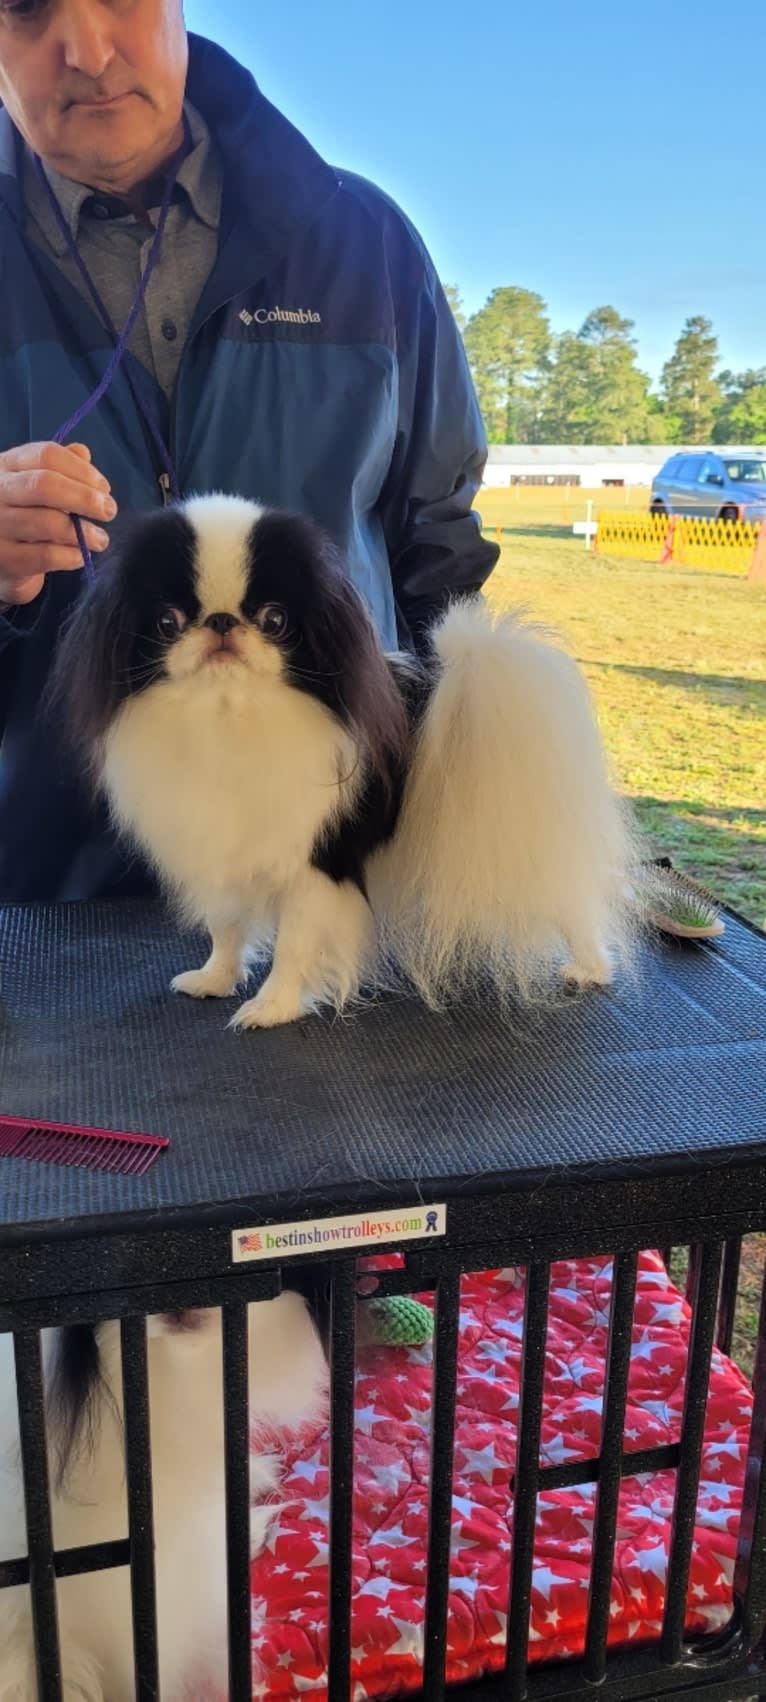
(227, 785)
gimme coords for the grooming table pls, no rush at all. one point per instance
(611, 1123)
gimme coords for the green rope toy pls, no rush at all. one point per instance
(397, 1321)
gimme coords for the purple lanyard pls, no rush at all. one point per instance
(120, 342)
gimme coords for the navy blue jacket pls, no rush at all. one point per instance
(358, 409)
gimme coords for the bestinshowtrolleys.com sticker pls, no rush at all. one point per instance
(366, 1229)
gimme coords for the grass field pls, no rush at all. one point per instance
(677, 662)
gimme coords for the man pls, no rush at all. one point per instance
(294, 346)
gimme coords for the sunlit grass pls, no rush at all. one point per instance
(677, 662)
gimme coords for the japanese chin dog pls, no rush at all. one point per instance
(289, 781)
(287, 1380)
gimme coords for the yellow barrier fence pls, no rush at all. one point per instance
(720, 546)
(641, 536)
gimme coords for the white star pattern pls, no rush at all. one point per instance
(496, 1351)
(481, 1462)
(458, 1541)
(395, 1404)
(391, 1476)
(654, 1560)
(365, 1418)
(543, 1580)
(644, 1348)
(555, 1451)
(507, 1327)
(466, 1509)
(670, 1313)
(380, 1587)
(409, 1641)
(309, 1469)
(735, 1449)
(590, 1403)
(420, 1416)
(467, 1586)
(716, 1519)
(578, 1370)
(317, 1510)
(391, 1536)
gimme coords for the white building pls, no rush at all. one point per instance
(589, 464)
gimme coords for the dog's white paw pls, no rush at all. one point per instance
(204, 984)
(269, 1009)
(596, 973)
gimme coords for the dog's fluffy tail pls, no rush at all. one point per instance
(512, 850)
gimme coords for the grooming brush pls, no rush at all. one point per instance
(677, 905)
(90, 1149)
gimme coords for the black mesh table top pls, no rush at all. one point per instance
(667, 1066)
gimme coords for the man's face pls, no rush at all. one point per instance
(95, 87)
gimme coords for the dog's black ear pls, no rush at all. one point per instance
(90, 674)
(72, 1394)
(314, 1283)
(336, 654)
(109, 649)
(359, 678)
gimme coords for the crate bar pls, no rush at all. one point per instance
(34, 1465)
(750, 1566)
(342, 1368)
(610, 1463)
(526, 1478)
(664, 1457)
(236, 1448)
(706, 1264)
(727, 1304)
(444, 1394)
(71, 1562)
(150, 1299)
(138, 1476)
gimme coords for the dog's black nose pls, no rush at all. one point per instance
(222, 623)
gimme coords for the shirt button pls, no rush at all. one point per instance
(169, 330)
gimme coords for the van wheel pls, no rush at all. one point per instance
(659, 510)
(729, 514)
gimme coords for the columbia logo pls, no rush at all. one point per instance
(281, 316)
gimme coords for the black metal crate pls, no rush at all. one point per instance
(610, 1124)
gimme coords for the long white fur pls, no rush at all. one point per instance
(513, 846)
(287, 1386)
(511, 853)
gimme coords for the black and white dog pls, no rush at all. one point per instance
(289, 781)
(287, 1372)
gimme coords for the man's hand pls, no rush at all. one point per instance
(41, 486)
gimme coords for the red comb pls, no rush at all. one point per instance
(66, 1143)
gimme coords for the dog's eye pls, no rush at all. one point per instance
(169, 623)
(272, 620)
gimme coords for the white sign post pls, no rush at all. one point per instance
(586, 529)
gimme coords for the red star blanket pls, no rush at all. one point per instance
(393, 1407)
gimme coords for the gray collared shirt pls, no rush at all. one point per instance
(116, 249)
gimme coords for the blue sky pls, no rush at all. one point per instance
(567, 148)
